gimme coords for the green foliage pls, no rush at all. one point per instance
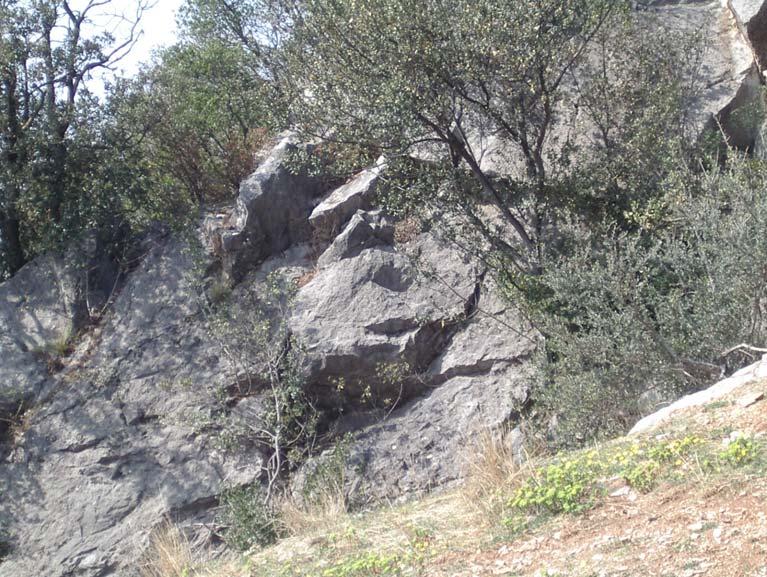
(60, 346)
(219, 292)
(183, 133)
(636, 90)
(366, 564)
(204, 117)
(252, 331)
(642, 476)
(562, 487)
(420, 75)
(65, 165)
(739, 452)
(249, 521)
(574, 483)
(412, 561)
(652, 308)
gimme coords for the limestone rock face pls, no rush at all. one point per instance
(406, 347)
(111, 446)
(364, 230)
(271, 213)
(355, 195)
(724, 97)
(41, 308)
(127, 429)
(751, 16)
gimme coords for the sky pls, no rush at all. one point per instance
(159, 29)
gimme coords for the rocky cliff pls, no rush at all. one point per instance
(118, 389)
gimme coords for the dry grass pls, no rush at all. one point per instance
(306, 278)
(491, 473)
(169, 554)
(325, 512)
(693, 524)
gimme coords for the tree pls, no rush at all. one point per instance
(204, 117)
(400, 75)
(47, 57)
(207, 104)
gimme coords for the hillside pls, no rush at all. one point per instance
(334, 288)
(685, 497)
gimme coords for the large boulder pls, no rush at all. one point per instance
(360, 314)
(479, 382)
(271, 212)
(342, 203)
(365, 230)
(481, 379)
(751, 17)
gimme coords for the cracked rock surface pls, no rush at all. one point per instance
(122, 432)
(100, 444)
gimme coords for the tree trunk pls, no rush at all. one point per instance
(57, 183)
(10, 237)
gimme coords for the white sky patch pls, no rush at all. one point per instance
(159, 29)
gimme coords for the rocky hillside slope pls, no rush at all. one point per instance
(683, 496)
(120, 394)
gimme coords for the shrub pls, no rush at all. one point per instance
(561, 487)
(247, 517)
(739, 452)
(652, 308)
(252, 332)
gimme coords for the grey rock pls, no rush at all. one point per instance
(272, 211)
(45, 304)
(357, 194)
(120, 442)
(364, 230)
(424, 445)
(475, 374)
(751, 16)
(375, 309)
(516, 440)
(741, 378)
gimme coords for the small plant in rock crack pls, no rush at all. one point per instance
(249, 522)
(391, 377)
(251, 329)
(54, 351)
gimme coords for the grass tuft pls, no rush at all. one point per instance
(327, 510)
(491, 473)
(169, 554)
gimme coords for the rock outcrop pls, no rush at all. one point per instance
(129, 425)
(725, 81)
(272, 211)
(750, 374)
(111, 444)
(118, 390)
